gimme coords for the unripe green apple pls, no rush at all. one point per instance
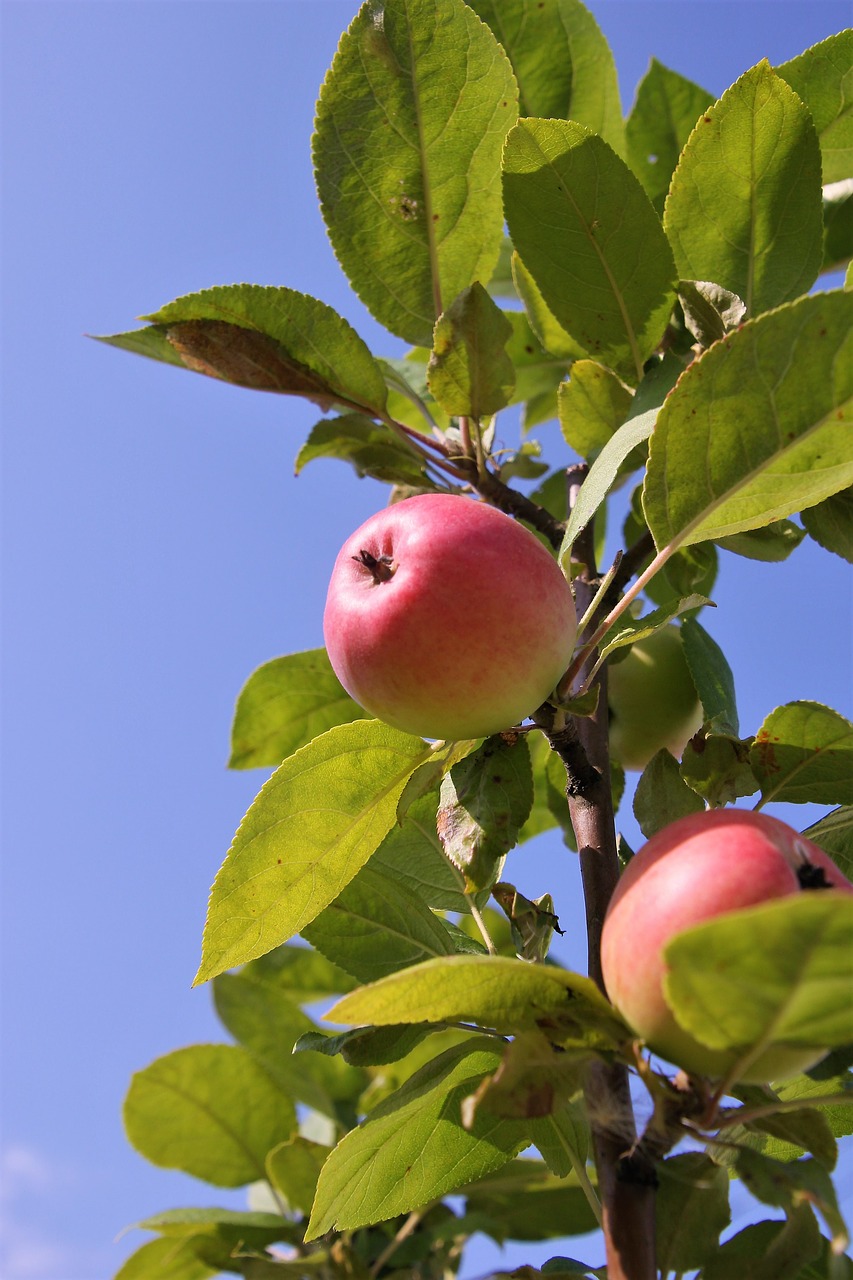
(700, 867)
(652, 700)
(447, 619)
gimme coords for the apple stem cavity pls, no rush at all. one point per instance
(381, 567)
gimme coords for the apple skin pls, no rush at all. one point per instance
(700, 867)
(469, 634)
(652, 700)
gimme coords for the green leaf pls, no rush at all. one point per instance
(665, 110)
(628, 630)
(261, 1016)
(301, 973)
(803, 754)
(779, 973)
(228, 1228)
(167, 1260)
(494, 991)
(769, 1250)
(290, 857)
(376, 926)
(731, 451)
(834, 834)
(371, 448)
(411, 854)
(662, 795)
(830, 523)
(563, 1139)
(469, 371)
(613, 292)
(562, 61)
(484, 801)
(271, 339)
(209, 1110)
(533, 1080)
(786, 1135)
(412, 1148)
(837, 225)
(544, 324)
(712, 677)
(151, 342)
(410, 124)
(532, 921)
(283, 705)
(691, 1210)
(810, 1089)
(293, 1169)
(592, 406)
(717, 767)
(367, 1046)
(752, 165)
(772, 544)
(710, 311)
(603, 473)
(526, 1202)
(538, 374)
(823, 78)
(791, 1185)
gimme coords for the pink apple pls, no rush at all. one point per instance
(447, 619)
(698, 868)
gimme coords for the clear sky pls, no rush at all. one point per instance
(157, 547)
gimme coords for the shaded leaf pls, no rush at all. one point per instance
(209, 1110)
(717, 767)
(470, 371)
(291, 856)
(712, 676)
(818, 1084)
(710, 311)
(375, 926)
(830, 523)
(410, 125)
(532, 922)
(283, 705)
(779, 973)
(533, 1080)
(563, 1139)
(773, 543)
(544, 324)
(593, 404)
(691, 1210)
(166, 1259)
(585, 230)
(665, 110)
(293, 1169)
(603, 473)
(823, 78)
(537, 372)
(769, 1250)
(837, 225)
(769, 446)
(752, 165)
(526, 1202)
(834, 834)
(412, 855)
(562, 61)
(785, 1135)
(412, 1147)
(662, 796)
(484, 801)
(371, 448)
(366, 1046)
(803, 753)
(790, 1185)
(301, 973)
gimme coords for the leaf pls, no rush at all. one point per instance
(549, 332)
(837, 225)
(268, 339)
(526, 1202)
(260, 1015)
(292, 855)
(769, 1250)
(803, 754)
(712, 676)
(593, 404)
(585, 230)
(732, 451)
(809, 1088)
(226, 1230)
(532, 921)
(167, 1260)
(691, 1210)
(665, 110)
(371, 448)
(376, 926)
(283, 705)
(533, 1080)
(752, 165)
(834, 834)
(710, 311)
(494, 991)
(412, 1148)
(562, 61)
(209, 1110)
(629, 630)
(301, 973)
(779, 973)
(410, 124)
(772, 544)
(411, 854)
(293, 1169)
(786, 1135)
(717, 767)
(603, 473)
(830, 523)
(537, 373)
(790, 1185)
(823, 78)
(366, 1046)
(151, 342)
(484, 801)
(662, 796)
(469, 371)
(563, 1139)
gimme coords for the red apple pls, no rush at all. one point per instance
(447, 619)
(700, 867)
(652, 700)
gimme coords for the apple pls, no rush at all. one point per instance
(652, 700)
(447, 619)
(700, 867)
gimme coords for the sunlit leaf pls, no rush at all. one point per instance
(803, 753)
(593, 404)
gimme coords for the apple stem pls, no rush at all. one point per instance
(481, 925)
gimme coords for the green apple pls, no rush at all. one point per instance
(652, 700)
(446, 618)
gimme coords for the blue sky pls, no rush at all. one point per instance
(157, 547)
